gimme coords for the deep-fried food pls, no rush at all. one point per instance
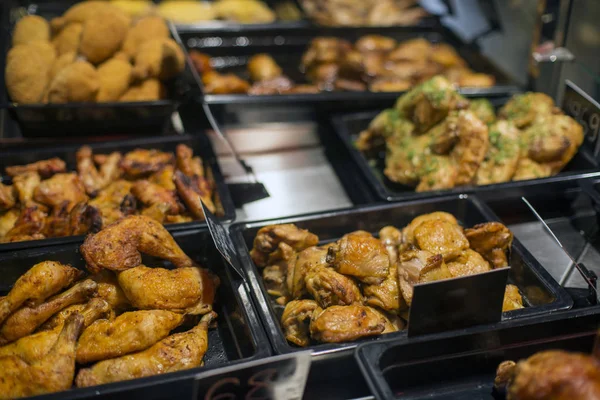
(92, 310)
(118, 246)
(110, 291)
(7, 197)
(84, 218)
(114, 76)
(244, 11)
(102, 36)
(68, 38)
(31, 28)
(142, 162)
(82, 12)
(148, 90)
(26, 74)
(160, 58)
(28, 226)
(152, 194)
(62, 62)
(77, 82)
(7, 221)
(186, 12)
(128, 333)
(263, 67)
(60, 188)
(92, 179)
(52, 373)
(150, 27)
(217, 83)
(201, 61)
(174, 353)
(45, 168)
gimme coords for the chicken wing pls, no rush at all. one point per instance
(469, 262)
(128, 333)
(36, 285)
(119, 246)
(190, 182)
(492, 240)
(92, 179)
(361, 256)
(28, 226)
(418, 266)
(110, 291)
(330, 288)
(30, 28)
(439, 236)
(512, 299)
(25, 184)
(551, 374)
(57, 223)
(307, 259)
(164, 177)
(174, 353)
(502, 158)
(52, 373)
(84, 218)
(268, 238)
(180, 289)
(338, 324)
(77, 82)
(152, 194)
(7, 198)
(115, 202)
(34, 347)
(142, 162)
(295, 321)
(61, 187)
(26, 319)
(7, 222)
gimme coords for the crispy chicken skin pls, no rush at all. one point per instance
(68, 38)
(180, 289)
(31, 28)
(152, 194)
(54, 372)
(142, 162)
(268, 238)
(82, 12)
(146, 28)
(512, 299)
(7, 197)
(94, 309)
(147, 90)
(110, 291)
(7, 222)
(338, 324)
(84, 218)
(174, 353)
(361, 256)
(118, 246)
(60, 188)
(330, 288)
(492, 240)
(190, 182)
(102, 36)
(45, 168)
(114, 202)
(29, 225)
(128, 333)
(26, 319)
(92, 179)
(36, 285)
(26, 74)
(25, 185)
(115, 76)
(295, 321)
(552, 374)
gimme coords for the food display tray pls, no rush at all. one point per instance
(91, 119)
(199, 143)
(464, 367)
(347, 127)
(541, 294)
(232, 51)
(238, 336)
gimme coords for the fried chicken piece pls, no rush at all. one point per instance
(115, 202)
(418, 266)
(216, 83)
(324, 50)
(445, 55)
(77, 82)
(102, 36)
(7, 198)
(30, 28)
(502, 158)
(60, 188)
(26, 74)
(275, 275)
(295, 321)
(529, 169)
(45, 168)
(262, 67)
(492, 240)
(84, 218)
(7, 222)
(193, 190)
(512, 299)
(338, 324)
(160, 58)
(391, 238)
(416, 50)
(186, 163)
(62, 62)
(244, 11)
(141, 162)
(188, 289)
(471, 147)
(164, 177)
(82, 12)
(114, 76)
(269, 237)
(186, 12)
(469, 262)
(28, 226)
(330, 288)
(128, 333)
(68, 38)
(118, 246)
(110, 291)
(148, 90)
(551, 374)
(201, 61)
(25, 184)
(92, 179)
(439, 236)
(174, 353)
(26, 319)
(35, 346)
(153, 195)
(306, 260)
(36, 285)
(57, 223)
(146, 28)
(52, 373)
(524, 109)
(361, 256)
(386, 295)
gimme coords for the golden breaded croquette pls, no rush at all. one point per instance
(148, 90)
(158, 58)
(134, 8)
(26, 74)
(77, 82)
(68, 38)
(187, 11)
(61, 62)
(147, 28)
(121, 55)
(85, 10)
(31, 28)
(114, 76)
(101, 38)
(45, 50)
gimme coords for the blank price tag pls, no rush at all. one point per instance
(457, 303)
(585, 110)
(279, 377)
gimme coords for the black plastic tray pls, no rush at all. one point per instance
(526, 272)
(77, 119)
(348, 127)
(464, 367)
(233, 49)
(200, 144)
(238, 336)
